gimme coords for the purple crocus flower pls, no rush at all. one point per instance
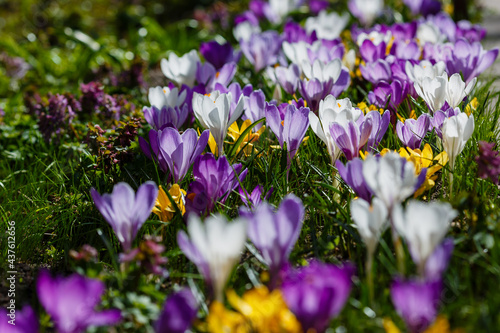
(351, 136)
(395, 93)
(314, 91)
(25, 320)
(408, 50)
(215, 179)
(416, 302)
(470, 32)
(166, 116)
(380, 123)
(178, 313)
(209, 77)
(288, 77)
(412, 131)
(294, 33)
(219, 54)
(404, 31)
(255, 107)
(262, 49)
(290, 128)
(125, 210)
(255, 198)
(71, 301)
(438, 261)
(439, 117)
(488, 161)
(274, 233)
(423, 7)
(317, 293)
(315, 6)
(175, 152)
(377, 71)
(352, 174)
(342, 83)
(470, 59)
(371, 52)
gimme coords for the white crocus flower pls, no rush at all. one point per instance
(349, 60)
(160, 97)
(296, 52)
(433, 91)
(332, 110)
(370, 220)
(220, 244)
(327, 26)
(245, 30)
(368, 10)
(181, 69)
(321, 71)
(391, 178)
(214, 112)
(281, 8)
(429, 33)
(423, 226)
(456, 131)
(416, 73)
(456, 90)
(375, 36)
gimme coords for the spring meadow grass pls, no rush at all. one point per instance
(46, 179)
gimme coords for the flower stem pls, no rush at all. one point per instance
(369, 276)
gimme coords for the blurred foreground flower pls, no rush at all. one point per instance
(71, 301)
(317, 293)
(21, 321)
(214, 246)
(148, 256)
(125, 210)
(164, 208)
(178, 313)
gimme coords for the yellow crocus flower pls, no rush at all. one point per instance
(164, 208)
(234, 132)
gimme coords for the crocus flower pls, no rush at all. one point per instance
(214, 246)
(214, 179)
(456, 90)
(25, 320)
(282, 7)
(208, 77)
(417, 72)
(148, 256)
(439, 117)
(331, 110)
(366, 11)
(165, 208)
(288, 77)
(317, 293)
(351, 136)
(391, 178)
(255, 107)
(314, 91)
(178, 314)
(219, 54)
(433, 91)
(470, 59)
(456, 131)
(255, 198)
(125, 210)
(412, 131)
(293, 32)
(371, 52)
(327, 26)
(246, 145)
(429, 33)
(424, 7)
(262, 49)
(352, 174)
(291, 128)
(377, 71)
(416, 302)
(488, 161)
(423, 225)
(470, 32)
(370, 220)
(166, 96)
(166, 116)
(437, 263)
(213, 112)
(316, 6)
(408, 49)
(380, 123)
(181, 69)
(275, 233)
(71, 301)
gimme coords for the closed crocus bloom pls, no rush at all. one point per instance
(433, 91)
(423, 226)
(179, 312)
(417, 302)
(371, 52)
(456, 90)
(428, 32)
(166, 96)
(214, 245)
(296, 52)
(275, 233)
(366, 11)
(181, 69)
(377, 71)
(213, 112)
(370, 220)
(391, 178)
(412, 131)
(331, 110)
(351, 136)
(417, 72)
(166, 116)
(71, 301)
(456, 131)
(317, 293)
(327, 26)
(322, 72)
(352, 174)
(262, 49)
(288, 77)
(125, 210)
(219, 54)
(380, 124)
(255, 108)
(281, 8)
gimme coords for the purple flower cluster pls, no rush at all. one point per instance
(488, 162)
